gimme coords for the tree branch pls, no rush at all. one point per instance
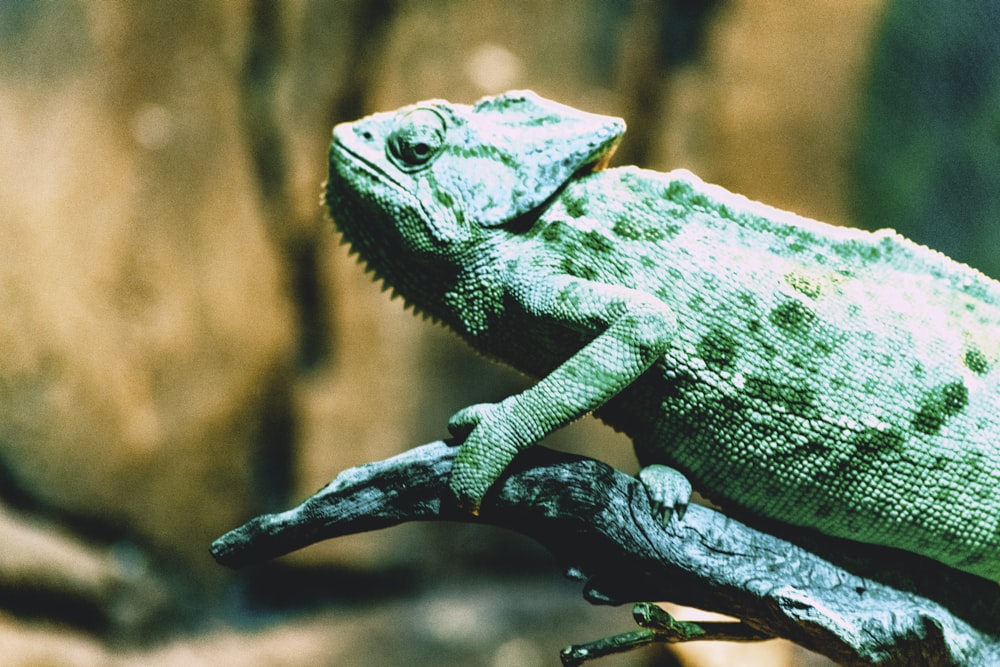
(857, 604)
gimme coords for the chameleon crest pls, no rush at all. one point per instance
(828, 378)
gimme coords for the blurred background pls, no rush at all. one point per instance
(184, 344)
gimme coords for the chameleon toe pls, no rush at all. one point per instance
(669, 491)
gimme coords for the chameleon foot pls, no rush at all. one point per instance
(669, 491)
(487, 446)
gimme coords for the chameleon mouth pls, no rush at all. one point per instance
(342, 152)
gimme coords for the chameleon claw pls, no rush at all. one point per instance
(464, 500)
(669, 492)
(468, 505)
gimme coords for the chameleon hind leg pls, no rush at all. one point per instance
(669, 491)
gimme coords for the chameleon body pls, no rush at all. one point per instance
(829, 378)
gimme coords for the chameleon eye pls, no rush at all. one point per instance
(417, 139)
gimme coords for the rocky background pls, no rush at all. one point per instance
(184, 344)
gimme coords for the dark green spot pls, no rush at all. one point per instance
(796, 400)
(823, 347)
(874, 443)
(939, 405)
(815, 449)
(635, 184)
(748, 299)
(594, 240)
(443, 198)
(733, 404)
(975, 361)
(678, 190)
(858, 250)
(570, 297)
(956, 397)
(575, 206)
(577, 269)
(797, 246)
(792, 315)
(727, 212)
(810, 450)
(699, 200)
(698, 303)
(804, 284)
(555, 231)
(548, 228)
(718, 349)
(485, 151)
(627, 228)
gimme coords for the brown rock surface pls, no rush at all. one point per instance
(142, 317)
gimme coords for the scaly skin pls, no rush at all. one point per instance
(829, 378)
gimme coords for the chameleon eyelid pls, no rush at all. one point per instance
(417, 138)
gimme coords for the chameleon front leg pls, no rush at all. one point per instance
(636, 331)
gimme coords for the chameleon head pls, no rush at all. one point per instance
(430, 179)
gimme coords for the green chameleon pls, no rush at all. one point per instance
(824, 377)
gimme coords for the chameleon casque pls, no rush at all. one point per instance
(829, 378)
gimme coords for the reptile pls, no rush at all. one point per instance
(824, 377)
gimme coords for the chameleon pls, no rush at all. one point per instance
(824, 377)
